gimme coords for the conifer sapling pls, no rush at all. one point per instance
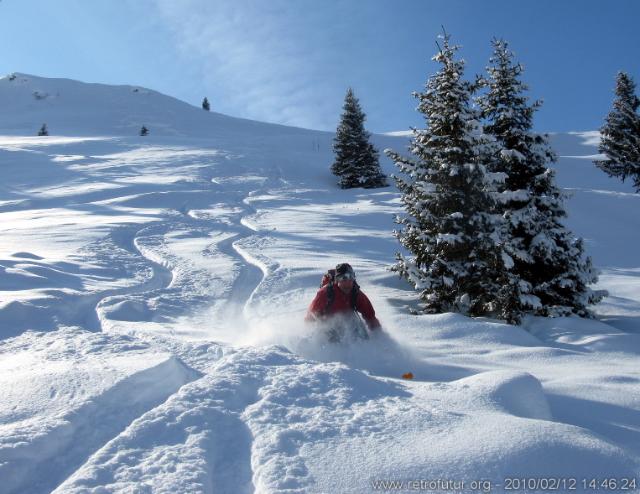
(620, 141)
(356, 160)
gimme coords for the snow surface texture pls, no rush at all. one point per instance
(152, 291)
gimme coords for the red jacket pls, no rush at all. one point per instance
(341, 303)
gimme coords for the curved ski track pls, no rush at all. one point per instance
(161, 276)
(252, 272)
(131, 240)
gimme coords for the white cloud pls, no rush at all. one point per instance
(269, 61)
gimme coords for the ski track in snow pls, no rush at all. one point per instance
(151, 337)
(160, 278)
(155, 269)
(252, 272)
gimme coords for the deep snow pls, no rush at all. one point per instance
(152, 291)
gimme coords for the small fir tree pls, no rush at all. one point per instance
(456, 263)
(356, 160)
(205, 104)
(144, 131)
(620, 141)
(43, 130)
(549, 273)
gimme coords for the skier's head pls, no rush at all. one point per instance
(345, 271)
(345, 276)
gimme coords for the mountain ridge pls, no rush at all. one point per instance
(69, 107)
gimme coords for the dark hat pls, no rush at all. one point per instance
(344, 268)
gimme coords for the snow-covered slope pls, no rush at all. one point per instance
(75, 108)
(152, 291)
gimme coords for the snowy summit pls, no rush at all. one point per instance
(152, 296)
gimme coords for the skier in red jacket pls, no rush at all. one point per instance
(342, 295)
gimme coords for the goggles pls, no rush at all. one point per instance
(345, 276)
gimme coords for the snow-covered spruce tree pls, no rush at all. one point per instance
(205, 104)
(551, 274)
(620, 141)
(356, 160)
(456, 262)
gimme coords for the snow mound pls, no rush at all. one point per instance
(63, 396)
(266, 420)
(461, 431)
(240, 428)
(511, 392)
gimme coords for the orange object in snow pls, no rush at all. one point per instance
(408, 375)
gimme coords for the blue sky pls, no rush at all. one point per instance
(290, 61)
